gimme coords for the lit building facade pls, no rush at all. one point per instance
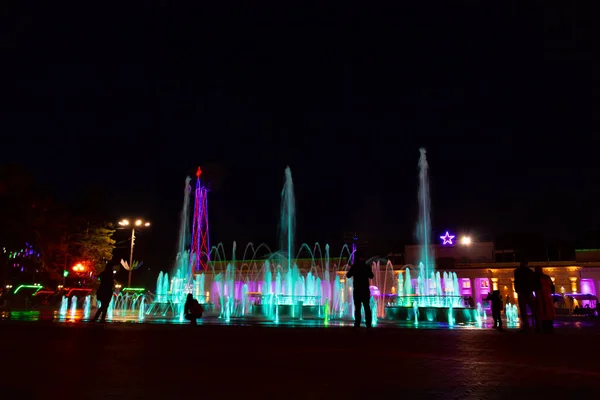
(479, 273)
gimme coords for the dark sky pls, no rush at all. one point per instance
(504, 98)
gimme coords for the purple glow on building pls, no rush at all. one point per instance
(587, 286)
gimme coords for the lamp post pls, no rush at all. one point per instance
(138, 224)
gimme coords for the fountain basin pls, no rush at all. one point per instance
(431, 314)
(297, 311)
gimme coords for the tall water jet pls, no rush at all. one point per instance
(86, 307)
(142, 308)
(64, 304)
(73, 306)
(184, 230)
(424, 223)
(287, 223)
(160, 294)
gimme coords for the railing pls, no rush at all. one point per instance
(425, 300)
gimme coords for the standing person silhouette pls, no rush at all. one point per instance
(496, 299)
(525, 284)
(544, 301)
(361, 273)
(104, 293)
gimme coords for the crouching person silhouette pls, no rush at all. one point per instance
(192, 309)
(361, 273)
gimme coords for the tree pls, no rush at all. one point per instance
(66, 239)
(52, 237)
(95, 245)
(17, 206)
(22, 208)
(63, 236)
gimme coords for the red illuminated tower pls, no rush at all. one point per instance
(200, 240)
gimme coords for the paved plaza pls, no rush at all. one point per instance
(47, 360)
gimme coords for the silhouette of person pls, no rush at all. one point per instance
(471, 302)
(104, 293)
(524, 286)
(496, 300)
(192, 309)
(544, 301)
(361, 273)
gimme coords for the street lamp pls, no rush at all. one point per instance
(136, 225)
(465, 240)
(78, 267)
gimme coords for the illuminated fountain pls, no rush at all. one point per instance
(512, 314)
(86, 307)
(306, 283)
(130, 304)
(431, 296)
(73, 309)
(64, 305)
(263, 284)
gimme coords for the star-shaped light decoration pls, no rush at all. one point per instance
(447, 238)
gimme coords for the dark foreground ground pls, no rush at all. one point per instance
(44, 360)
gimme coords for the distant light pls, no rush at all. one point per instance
(465, 240)
(78, 267)
(124, 222)
(138, 222)
(147, 224)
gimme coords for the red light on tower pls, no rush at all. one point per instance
(200, 238)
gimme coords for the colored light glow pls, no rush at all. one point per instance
(36, 286)
(76, 290)
(124, 222)
(133, 289)
(447, 238)
(138, 222)
(41, 292)
(78, 267)
(465, 240)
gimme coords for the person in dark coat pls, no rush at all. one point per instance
(360, 273)
(525, 284)
(496, 301)
(104, 293)
(544, 302)
(192, 309)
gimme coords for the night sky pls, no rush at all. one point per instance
(130, 101)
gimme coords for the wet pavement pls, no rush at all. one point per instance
(46, 359)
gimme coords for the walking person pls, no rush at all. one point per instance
(360, 273)
(525, 286)
(104, 293)
(544, 302)
(496, 300)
